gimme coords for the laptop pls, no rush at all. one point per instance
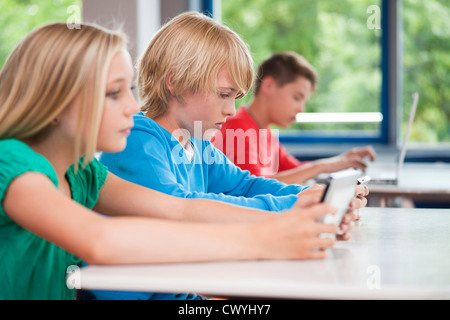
(388, 173)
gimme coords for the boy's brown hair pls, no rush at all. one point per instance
(285, 67)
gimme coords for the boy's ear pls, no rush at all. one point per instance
(169, 83)
(267, 84)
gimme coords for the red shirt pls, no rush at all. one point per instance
(252, 148)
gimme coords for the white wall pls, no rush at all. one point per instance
(140, 19)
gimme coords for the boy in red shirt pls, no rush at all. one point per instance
(283, 85)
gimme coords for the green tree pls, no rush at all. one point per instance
(18, 17)
(426, 66)
(334, 37)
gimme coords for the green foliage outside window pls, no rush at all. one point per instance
(335, 37)
(426, 67)
(18, 17)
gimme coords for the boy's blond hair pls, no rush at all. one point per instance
(44, 74)
(189, 51)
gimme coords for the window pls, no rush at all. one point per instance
(341, 39)
(19, 17)
(355, 61)
(425, 68)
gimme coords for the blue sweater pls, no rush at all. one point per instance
(154, 158)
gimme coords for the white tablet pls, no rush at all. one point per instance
(339, 193)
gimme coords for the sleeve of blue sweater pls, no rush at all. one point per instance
(148, 160)
(241, 182)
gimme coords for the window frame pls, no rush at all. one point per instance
(391, 103)
(388, 94)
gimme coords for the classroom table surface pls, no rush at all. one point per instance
(394, 253)
(416, 178)
(419, 182)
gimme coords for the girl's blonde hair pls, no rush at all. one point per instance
(44, 74)
(189, 51)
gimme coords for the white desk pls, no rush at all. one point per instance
(393, 254)
(418, 181)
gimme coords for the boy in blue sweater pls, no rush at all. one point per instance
(155, 158)
(188, 89)
(190, 75)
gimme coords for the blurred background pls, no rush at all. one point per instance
(371, 55)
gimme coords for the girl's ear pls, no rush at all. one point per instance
(56, 120)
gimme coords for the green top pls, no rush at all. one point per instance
(31, 267)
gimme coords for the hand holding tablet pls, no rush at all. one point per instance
(339, 193)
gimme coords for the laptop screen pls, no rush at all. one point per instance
(408, 132)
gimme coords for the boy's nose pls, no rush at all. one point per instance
(300, 108)
(230, 110)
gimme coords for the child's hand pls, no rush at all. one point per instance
(360, 200)
(310, 196)
(295, 234)
(352, 214)
(347, 224)
(354, 158)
